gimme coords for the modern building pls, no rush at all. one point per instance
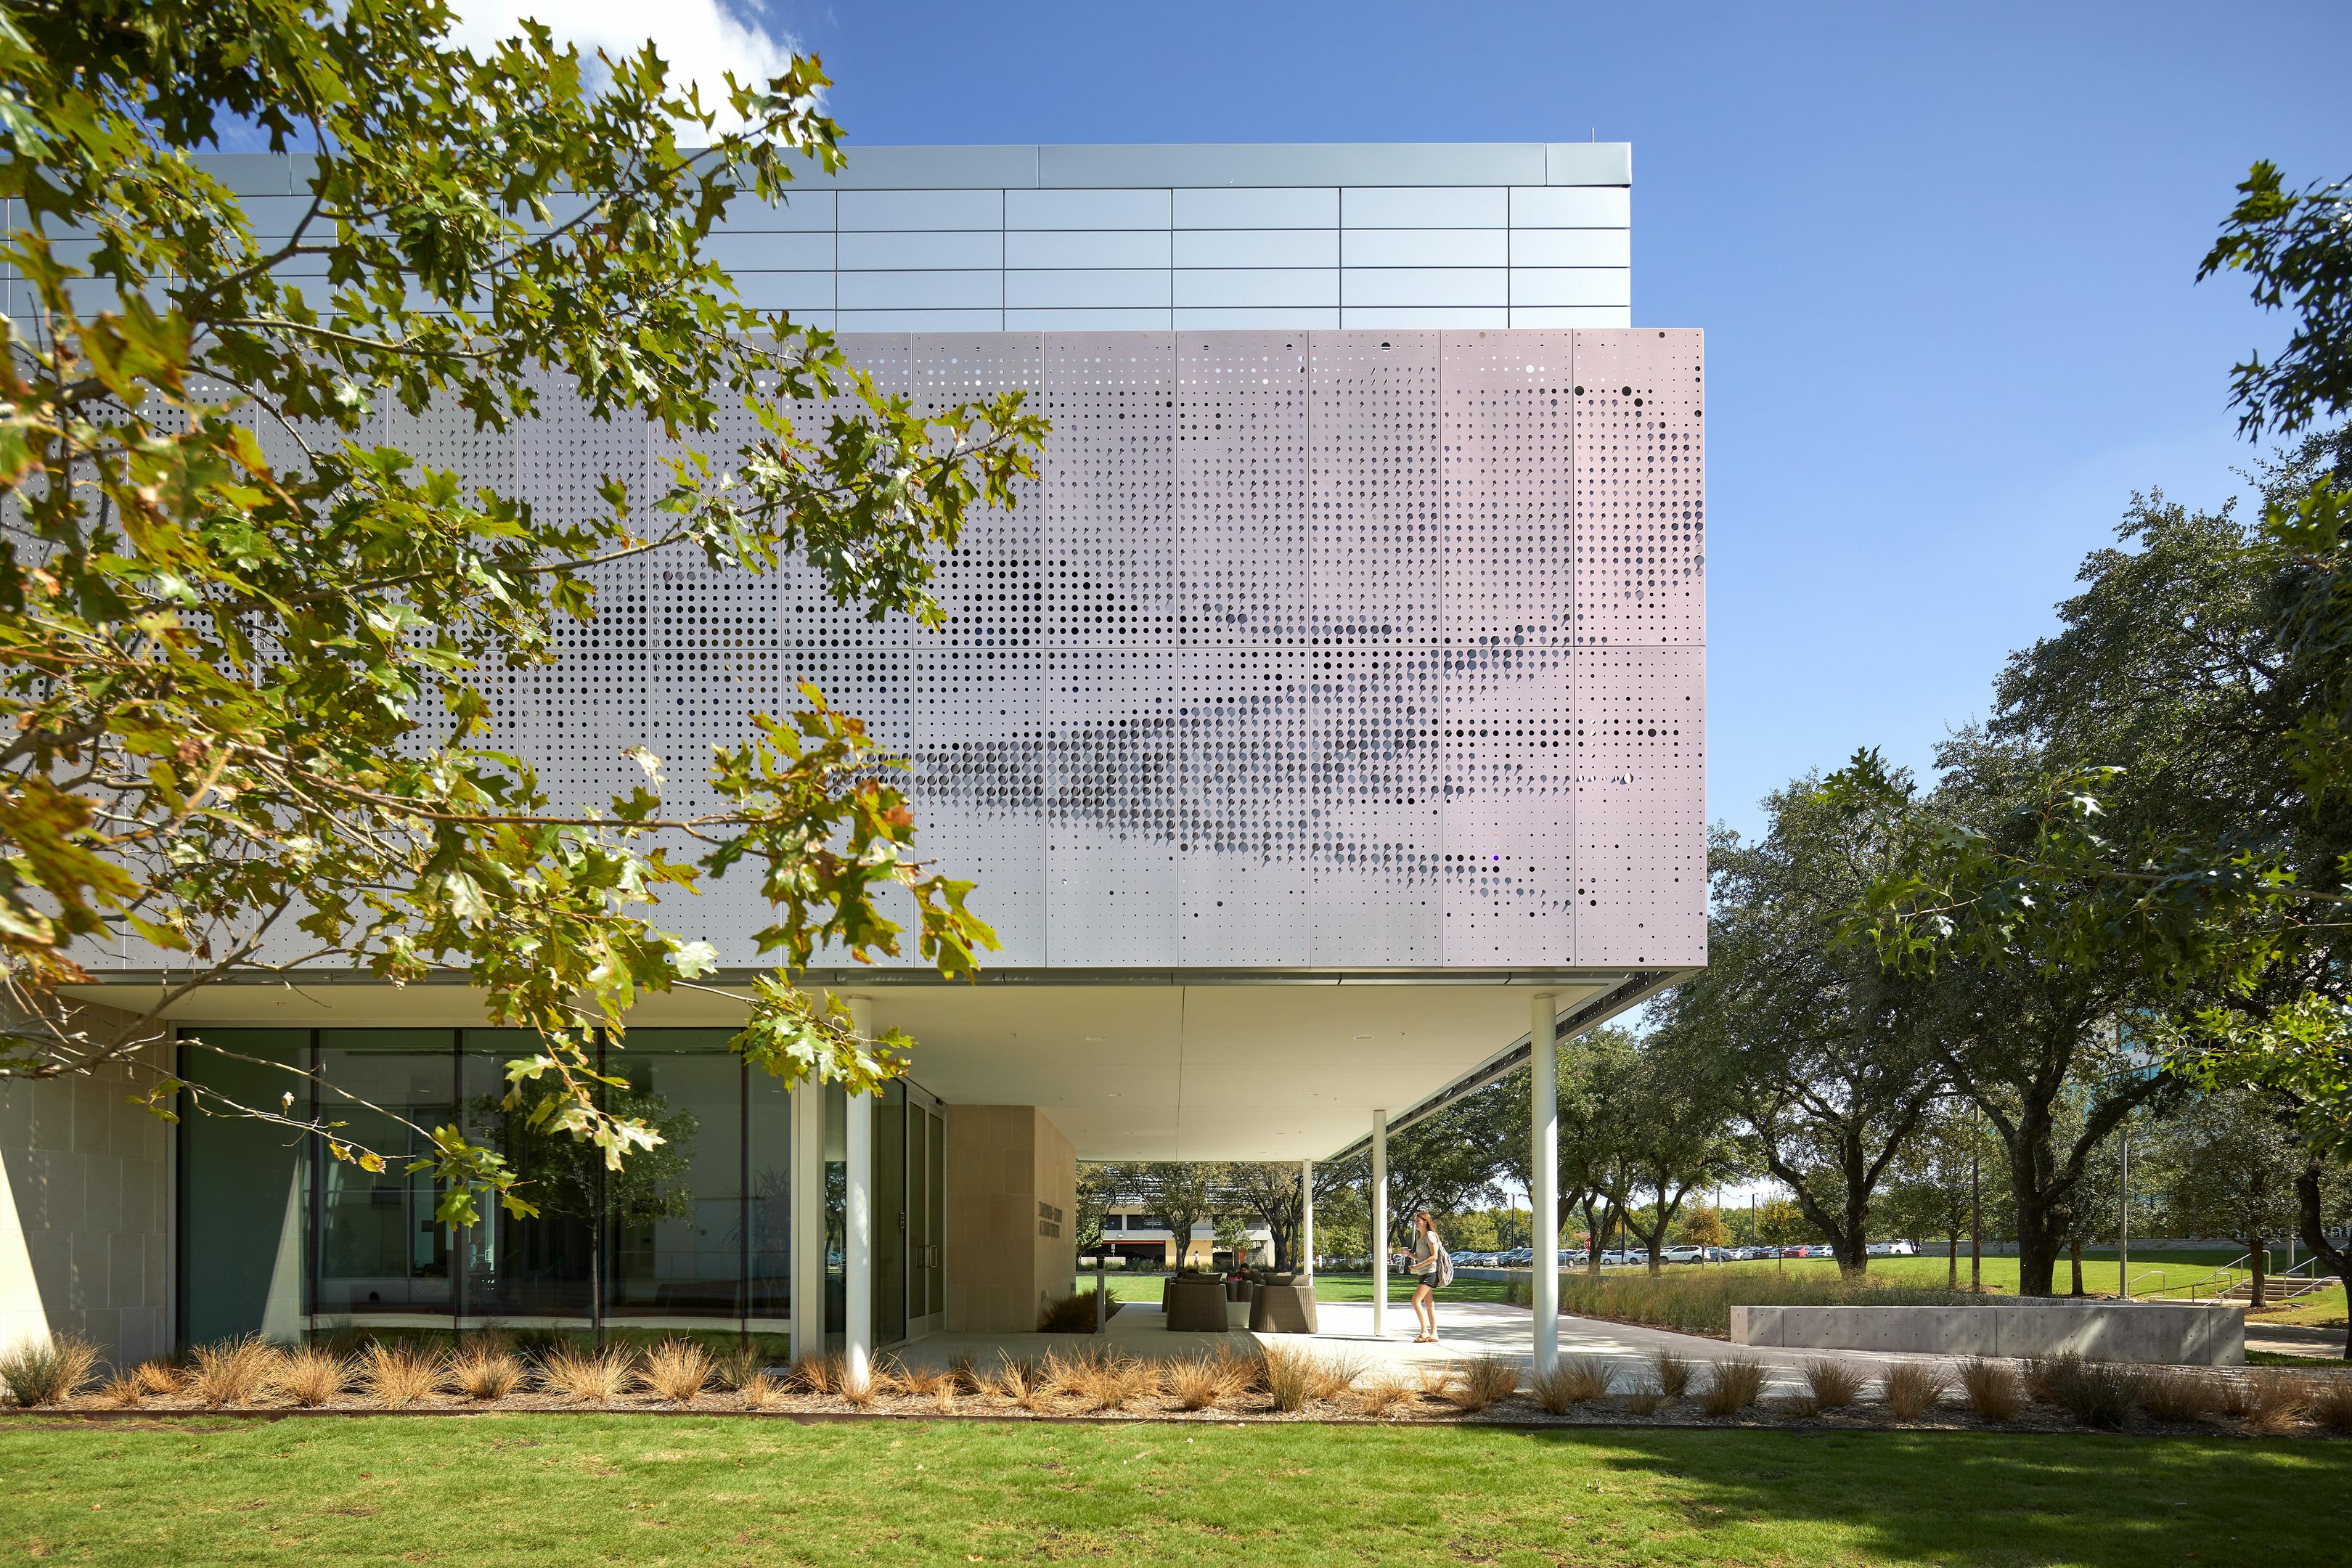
(1326, 723)
(1134, 1237)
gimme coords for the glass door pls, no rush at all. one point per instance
(925, 1219)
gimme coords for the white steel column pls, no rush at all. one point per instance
(808, 1218)
(1304, 1261)
(1380, 1223)
(857, 1228)
(1543, 1169)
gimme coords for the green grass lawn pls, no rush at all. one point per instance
(506, 1489)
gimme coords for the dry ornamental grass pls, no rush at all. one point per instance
(2182, 1396)
(765, 1392)
(1992, 1388)
(233, 1372)
(47, 1371)
(1289, 1376)
(1644, 1399)
(1022, 1382)
(2331, 1404)
(587, 1377)
(1382, 1392)
(1434, 1380)
(2095, 1392)
(676, 1370)
(819, 1373)
(313, 1376)
(739, 1366)
(1573, 1380)
(396, 1376)
(1732, 1387)
(1912, 1389)
(2268, 1401)
(121, 1390)
(158, 1377)
(1334, 1375)
(1196, 1381)
(1834, 1384)
(1487, 1380)
(1673, 1373)
(482, 1373)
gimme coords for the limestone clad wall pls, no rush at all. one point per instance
(85, 1214)
(1012, 1181)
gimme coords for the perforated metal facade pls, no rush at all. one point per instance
(1328, 651)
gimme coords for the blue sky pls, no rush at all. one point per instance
(1943, 256)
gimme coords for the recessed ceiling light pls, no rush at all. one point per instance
(1363, 1037)
(1097, 1039)
(1113, 1095)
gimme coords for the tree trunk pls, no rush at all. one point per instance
(2314, 1237)
(1952, 1274)
(2074, 1251)
(2038, 1230)
(2258, 1253)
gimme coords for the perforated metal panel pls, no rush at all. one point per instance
(1331, 649)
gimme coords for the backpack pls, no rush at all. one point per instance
(1444, 1260)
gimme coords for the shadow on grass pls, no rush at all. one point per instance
(2124, 1500)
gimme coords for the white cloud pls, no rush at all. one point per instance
(702, 40)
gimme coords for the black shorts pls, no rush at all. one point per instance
(1429, 1279)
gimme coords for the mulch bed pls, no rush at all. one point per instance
(1519, 1411)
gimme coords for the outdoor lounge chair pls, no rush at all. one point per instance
(1197, 1306)
(1283, 1308)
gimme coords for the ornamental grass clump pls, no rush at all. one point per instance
(676, 1370)
(1196, 1381)
(738, 1366)
(1699, 1300)
(1575, 1380)
(1912, 1389)
(234, 1371)
(158, 1377)
(1992, 1388)
(1289, 1376)
(482, 1372)
(398, 1376)
(814, 1374)
(314, 1376)
(47, 1371)
(2269, 1401)
(1334, 1374)
(586, 1376)
(1382, 1392)
(2330, 1403)
(1645, 1398)
(1485, 1380)
(1673, 1373)
(2180, 1396)
(2095, 1392)
(1022, 1382)
(762, 1392)
(1732, 1387)
(1833, 1385)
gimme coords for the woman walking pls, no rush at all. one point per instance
(1429, 1267)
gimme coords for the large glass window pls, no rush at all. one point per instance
(381, 1253)
(243, 1205)
(694, 1233)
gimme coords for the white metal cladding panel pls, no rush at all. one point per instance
(1641, 823)
(1273, 664)
(1641, 488)
(1111, 806)
(1243, 711)
(1246, 529)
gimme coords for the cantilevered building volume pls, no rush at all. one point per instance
(1337, 689)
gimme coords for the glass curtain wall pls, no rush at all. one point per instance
(694, 1233)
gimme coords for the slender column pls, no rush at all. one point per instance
(857, 1229)
(2123, 1218)
(808, 1219)
(1543, 1170)
(1304, 1261)
(1379, 1206)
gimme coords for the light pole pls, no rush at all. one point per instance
(1976, 1205)
(2123, 1217)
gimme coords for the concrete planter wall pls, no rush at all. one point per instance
(2168, 1332)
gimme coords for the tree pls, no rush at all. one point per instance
(1184, 1193)
(1702, 1226)
(1679, 1143)
(1782, 1223)
(2229, 1167)
(1092, 1197)
(2298, 251)
(1232, 1239)
(1936, 1182)
(1444, 1164)
(1275, 1191)
(1821, 1048)
(252, 645)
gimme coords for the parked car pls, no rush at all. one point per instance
(1682, 1255)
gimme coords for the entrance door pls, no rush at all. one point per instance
(925, 1217)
